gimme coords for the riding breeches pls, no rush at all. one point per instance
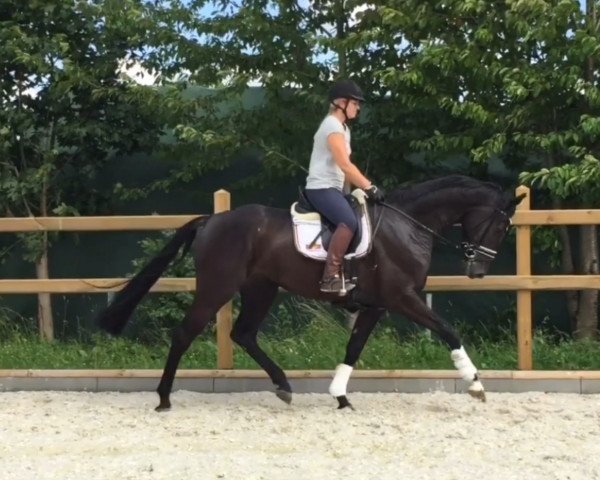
(332, 204)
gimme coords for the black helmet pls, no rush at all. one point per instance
(346, 89)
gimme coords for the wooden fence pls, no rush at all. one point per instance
(523, 283)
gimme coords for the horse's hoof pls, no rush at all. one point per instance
(343, 402)
(478, 394)
(163, 407)
(284, 395)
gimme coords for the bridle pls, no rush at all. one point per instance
(472, 251)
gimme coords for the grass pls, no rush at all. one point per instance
(297, 335)
(319, 344)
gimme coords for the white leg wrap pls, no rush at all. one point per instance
(339, 383)
(476, 386)
(463, 364)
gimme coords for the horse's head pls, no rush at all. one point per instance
(484, 227)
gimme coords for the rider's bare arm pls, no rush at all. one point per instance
(337, 145)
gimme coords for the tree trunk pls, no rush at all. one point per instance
(567, 262)
(340, 21)
(587, 313)
(568, 268)
(45, 318)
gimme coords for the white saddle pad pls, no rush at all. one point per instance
(307, 226)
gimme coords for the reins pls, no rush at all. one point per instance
(443, 239)
(469, 249)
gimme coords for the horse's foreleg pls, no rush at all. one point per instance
(366, 321)
(468, 372)
(411, 305)
(256, 297)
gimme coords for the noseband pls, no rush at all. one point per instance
(472, 252)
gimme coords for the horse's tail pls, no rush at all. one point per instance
(114, 317)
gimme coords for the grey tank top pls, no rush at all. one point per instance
(323, 172)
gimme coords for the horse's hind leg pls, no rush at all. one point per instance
(257, 296)
(366, 321)
(199, 315)
(411, 305)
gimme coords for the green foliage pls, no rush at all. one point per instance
(547, 242)
(13, 325)
(238, 45)
(156, 316)
(515, 81)
(578, 182)
(512, 80)
(504, 74)
(320, 346)
(565, 354)
(66, 105)
(297, 335)
(291, 52)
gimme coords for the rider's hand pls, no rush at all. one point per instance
(375, 194)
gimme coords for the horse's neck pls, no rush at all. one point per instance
(440, 211)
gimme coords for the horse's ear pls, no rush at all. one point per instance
(512, 203)
(518, 199)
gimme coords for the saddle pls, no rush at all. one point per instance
(312, 232)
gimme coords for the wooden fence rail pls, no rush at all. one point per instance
(523, 283)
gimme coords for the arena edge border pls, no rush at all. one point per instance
(303, 381)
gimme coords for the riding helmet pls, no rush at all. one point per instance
(346, 89)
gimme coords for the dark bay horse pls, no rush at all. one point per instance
(251, 250)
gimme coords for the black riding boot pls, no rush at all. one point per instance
(332, 281)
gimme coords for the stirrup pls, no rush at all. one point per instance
(336, 284)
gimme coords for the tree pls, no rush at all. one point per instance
(571, 153)
(514, 80)
(287, 53)
(67, 107)
(442, 79)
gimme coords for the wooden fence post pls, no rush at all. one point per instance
(524, 303)
(222, 199)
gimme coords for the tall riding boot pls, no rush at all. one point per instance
(332, 281)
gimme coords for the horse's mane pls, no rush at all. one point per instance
(439, 186)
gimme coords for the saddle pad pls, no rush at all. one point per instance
(308, 226)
